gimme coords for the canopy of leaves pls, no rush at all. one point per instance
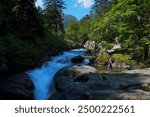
(24, 36)
(129, 20)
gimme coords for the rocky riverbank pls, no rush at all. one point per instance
(82, 82)
(145, 71)
(16, 87)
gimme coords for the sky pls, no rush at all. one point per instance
(77, 8)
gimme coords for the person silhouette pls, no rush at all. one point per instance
(109, 64)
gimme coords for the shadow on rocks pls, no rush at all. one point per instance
(16, 87)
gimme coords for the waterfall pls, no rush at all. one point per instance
(43, 78)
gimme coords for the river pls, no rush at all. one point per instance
(43, 78)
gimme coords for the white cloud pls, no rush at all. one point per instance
(39, 3)
(85, 3)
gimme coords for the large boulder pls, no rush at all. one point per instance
(93, 50)
(75, 82)
(76, 71)
(90, 45)
(77, 59)
(16, 87)
(82, 82)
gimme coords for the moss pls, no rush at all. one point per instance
(122, 58)
(103, 57)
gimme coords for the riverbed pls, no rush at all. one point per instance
(43, 78)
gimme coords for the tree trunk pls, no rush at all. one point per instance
(146, 52)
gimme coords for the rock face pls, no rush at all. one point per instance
(90, 45)
(75, 82)
(16, 87)
(77, 59)
(145, 71)
(82, 82)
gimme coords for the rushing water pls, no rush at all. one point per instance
(43, 78)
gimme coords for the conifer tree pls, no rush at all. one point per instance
(54, 14)
(101, 7)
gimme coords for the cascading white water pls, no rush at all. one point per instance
(43, 77)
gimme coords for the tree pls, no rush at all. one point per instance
(128, 20)
(54, 14)
(78, 31)
(20, 17)
(28, 17)
(100, 7)
(72, 31)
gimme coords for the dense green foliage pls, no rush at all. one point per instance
(67, 18)
(100, 7)
(25, 35)
(128, 20)
(76, 32)
(53, 15)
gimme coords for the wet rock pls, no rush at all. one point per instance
(45, 59)
(16, 87)
(129, 66)
(90, 58)
(77, 59)
(82, 78)
(76, 81)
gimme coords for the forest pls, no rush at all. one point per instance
(28, 33)
(126, 20)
